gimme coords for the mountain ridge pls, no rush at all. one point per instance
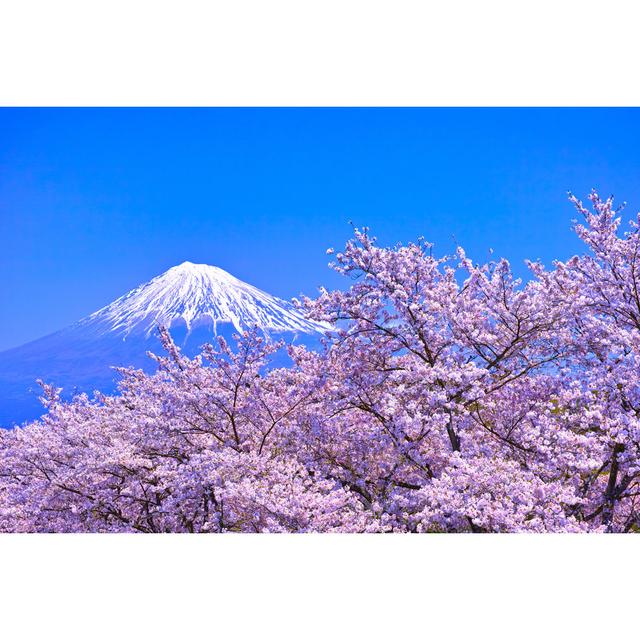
(195, 294)
(196, 302)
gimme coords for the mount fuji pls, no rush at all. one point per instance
(195, 302)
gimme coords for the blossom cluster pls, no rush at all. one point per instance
(451, 397)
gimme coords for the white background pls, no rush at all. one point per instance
(328, 52)
(61, 52)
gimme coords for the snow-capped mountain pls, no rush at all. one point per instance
(195, 301)
(195, 295)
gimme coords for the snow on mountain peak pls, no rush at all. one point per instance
(194, 295)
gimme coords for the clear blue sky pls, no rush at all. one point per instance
(95, 201)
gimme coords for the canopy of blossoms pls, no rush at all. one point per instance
(451, 397)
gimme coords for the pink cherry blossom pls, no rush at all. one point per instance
(450, 397)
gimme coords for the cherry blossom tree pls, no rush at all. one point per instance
(450, 397)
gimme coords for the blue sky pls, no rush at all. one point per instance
(95, 201)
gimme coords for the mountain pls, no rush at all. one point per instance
(196, 302)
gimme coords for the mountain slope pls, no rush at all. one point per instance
(195, 301)
(193, 295)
